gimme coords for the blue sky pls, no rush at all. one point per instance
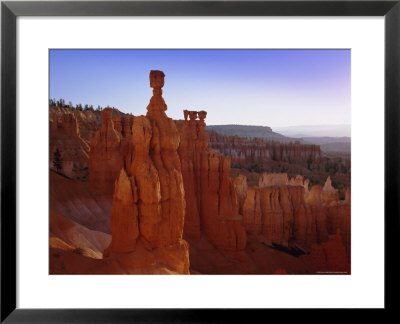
(252, 87)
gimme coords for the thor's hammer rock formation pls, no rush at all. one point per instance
(148, 206)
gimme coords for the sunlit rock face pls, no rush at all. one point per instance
(109, 149)
(148, 208)
(211, 204)
(280, 215)
(273, 179)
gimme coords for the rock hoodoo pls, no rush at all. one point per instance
(67, 123)
(109, 149)
(286, 213)
(273, 179)
(148, 206)
(211, 202)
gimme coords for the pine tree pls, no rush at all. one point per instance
(57, 162)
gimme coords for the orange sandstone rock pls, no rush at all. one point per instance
(65, 136)
(281, 216)
(240, 184)
(149, 201)
(314, 196)
(124, 216)
(105, 160)
(212, 206)
(273, 179)
(306, 185)
(329, 195)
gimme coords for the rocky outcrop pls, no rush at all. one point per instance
(285, 213)
(88, 120)
(66, 123)
(280, 215)
(329, 195)
(240, 184)
(124, 215)
(338, 211)
(65, 137)
(109, 148)
(148, 209)
(273, 179)
(211, 202)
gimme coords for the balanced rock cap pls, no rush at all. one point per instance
(156, 79)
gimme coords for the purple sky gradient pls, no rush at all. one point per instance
(250, 87)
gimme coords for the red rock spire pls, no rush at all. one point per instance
(157, 103)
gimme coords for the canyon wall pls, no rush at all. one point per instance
(258, 155)
(247, 151)
(89, 120)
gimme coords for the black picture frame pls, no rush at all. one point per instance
(10, 10)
